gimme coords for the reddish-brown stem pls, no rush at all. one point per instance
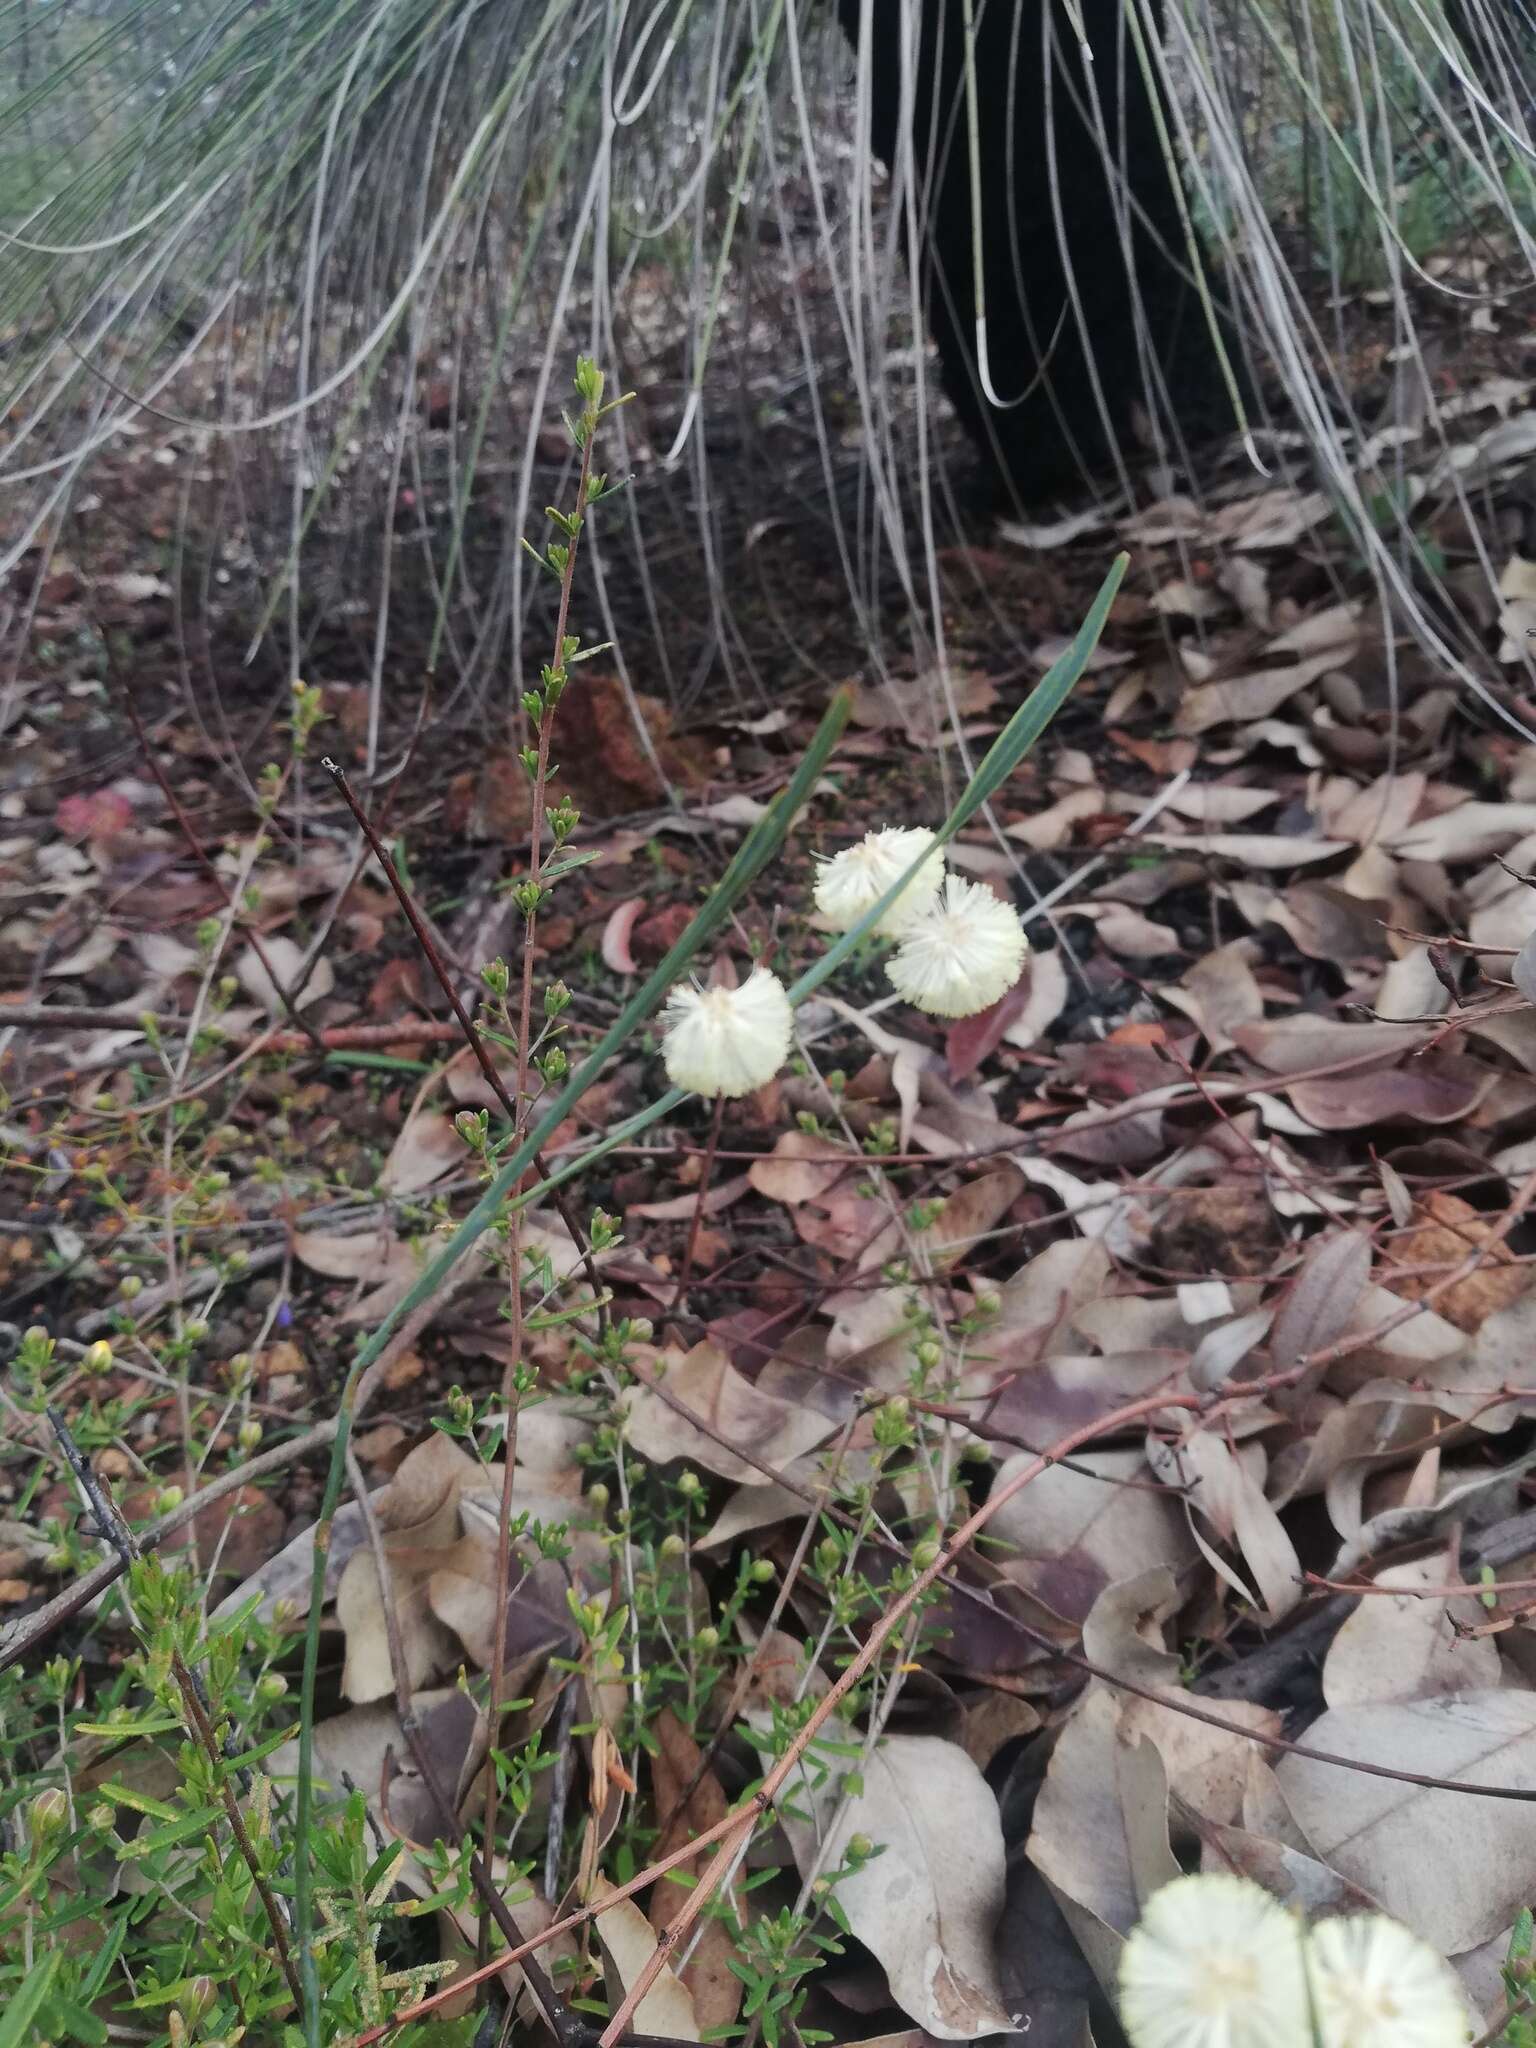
(706, 1173)
(471, 1036)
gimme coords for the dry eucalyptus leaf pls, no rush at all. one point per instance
(927, 1908)
(628, 1945)
(1100, 1833)
(1454, 1869)
(1079, 1527)
(427, 1148)
(776, 1431)
(287, 962)
(1403, 1647)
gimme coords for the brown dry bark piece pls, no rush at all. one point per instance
(1445, 1230)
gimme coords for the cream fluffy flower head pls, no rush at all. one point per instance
(727, 1041)
(853, 881)
(1378, 1986)
(1215, 1962)
(962, 954)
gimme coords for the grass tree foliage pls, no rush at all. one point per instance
(339, 251)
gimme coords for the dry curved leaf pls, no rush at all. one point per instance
(428, 1147)
(1100, 1834)
(927, 1908)
(1079, 1527)
(628, 1945)
(1404, 1648)
(1455, 1870)
(776, 1431)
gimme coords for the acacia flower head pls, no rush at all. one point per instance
(962, 954)
(853, 881)
(1375, 1985)
(727, 1041)
(1215, 1962)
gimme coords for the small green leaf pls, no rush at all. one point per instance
(28, 2001)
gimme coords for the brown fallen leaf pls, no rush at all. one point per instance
(628, 1943)
(1451, 1878)
(714, 1987)
(775, 1430)
(427, 1148)
(927, 1908)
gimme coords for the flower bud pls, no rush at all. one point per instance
(860, 1848)
(673, 1545)
(597, 1497)
(708, 1637)
(48, 1815)
(168, 1499)
(762, 1571)
(98, 1357)
(249, 1434)
(925, 1554)
(270, 1688)
(129, 1286)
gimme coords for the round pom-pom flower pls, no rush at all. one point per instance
(1214, 1962)
(962, 954)
(1375, 1985)
(853, 881)
(727, 1041)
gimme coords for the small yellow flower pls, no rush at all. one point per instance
(850, 884)
(961, 955)
(727, 1041)
(1375, 1985)
(1215, 1962)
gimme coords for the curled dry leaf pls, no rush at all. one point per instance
(927, 1908)
(617, 933)
(1224, 1486)
(1100, 1834)
(628, 1945)
(287, 962)
(427, 1148)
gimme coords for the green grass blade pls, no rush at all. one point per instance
(999, 762)
(16, 2026)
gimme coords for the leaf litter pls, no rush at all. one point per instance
(1246, 1151)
